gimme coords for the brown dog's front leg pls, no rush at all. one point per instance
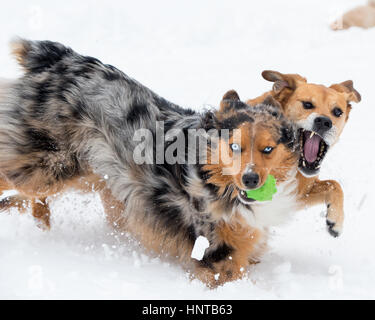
(330, 193)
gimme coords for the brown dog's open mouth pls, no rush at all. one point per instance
(313, 151)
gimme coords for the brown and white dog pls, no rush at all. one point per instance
(362, 17)
(321, 114)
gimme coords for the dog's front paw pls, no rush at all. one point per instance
(335, 220)
(334, 229)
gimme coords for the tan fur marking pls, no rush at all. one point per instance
(19, 202)
(245, 241)
(41, 212)
(19, 51)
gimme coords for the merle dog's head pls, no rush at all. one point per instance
(261, 141)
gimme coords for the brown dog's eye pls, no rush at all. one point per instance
(337, 112)
(307, 105)
(267, 150)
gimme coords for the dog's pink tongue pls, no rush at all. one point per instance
(311, 147)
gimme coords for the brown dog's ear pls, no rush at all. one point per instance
(270, 101)
(283, 81)
(347, 88)
(228, 100)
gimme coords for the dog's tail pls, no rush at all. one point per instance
(36, 56)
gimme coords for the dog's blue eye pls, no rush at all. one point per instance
(235, 147)
(308, 105)
(267, 150)
(337, 112)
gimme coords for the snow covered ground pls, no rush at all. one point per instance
(192, 52)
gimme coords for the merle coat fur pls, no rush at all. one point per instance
(70, 116)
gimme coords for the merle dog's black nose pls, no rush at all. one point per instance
(250, 180)
(322, 124)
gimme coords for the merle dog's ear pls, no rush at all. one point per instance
(231, 95)
(230, 99)
(348, 90)
(283, 81)
(209, 121)
(270, 101)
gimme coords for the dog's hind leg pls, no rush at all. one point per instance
(16, 201)
(19, 202)
(113, 209)
(39, 207)
(41, 212)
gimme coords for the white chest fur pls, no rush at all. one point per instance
(277, 211)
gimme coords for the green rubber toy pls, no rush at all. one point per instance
(265, 192)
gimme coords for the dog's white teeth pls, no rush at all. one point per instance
(312, 134)
(318, 167)
(243, 192)
(304, 163)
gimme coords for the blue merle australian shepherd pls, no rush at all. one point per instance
(70, 122)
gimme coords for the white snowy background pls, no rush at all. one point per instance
(192, 52)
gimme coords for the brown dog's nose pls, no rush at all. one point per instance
(250, 180)
(322, 124)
